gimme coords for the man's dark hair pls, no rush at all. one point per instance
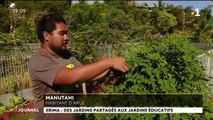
(48, 24)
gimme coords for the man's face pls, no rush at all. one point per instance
(58, 39)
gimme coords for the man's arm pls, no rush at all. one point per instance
(101, 75)
(90, 71)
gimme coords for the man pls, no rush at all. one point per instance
(53, 66)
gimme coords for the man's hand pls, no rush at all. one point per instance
(119, 63)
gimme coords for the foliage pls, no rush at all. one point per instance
(202, 31)
(83, 14)
(17, 101)
(141, 16)
(163, 21)
(178, 12)
(98, 25)
(121, 16)
(21, 25)
(5, 39)
(4, 19)
(23, 33)
(168, 66)
(3, 109)
(10, 85)
(161, 5)
(53, 6)
(49, 6)
(119, 20)
(87, 39)
(157, 63)
(158, 66)
(206, 13)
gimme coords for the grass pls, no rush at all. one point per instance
(16, 82)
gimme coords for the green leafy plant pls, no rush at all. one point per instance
(163, 67)
(3, 109)
(17, 101)
(167, 66)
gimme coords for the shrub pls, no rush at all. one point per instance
(168, 66)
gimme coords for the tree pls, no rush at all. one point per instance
(162, 21)
(118, 2)
(53, 6)
(206, 13)
(82, 1)
(202, 31)
(178, 12)
(165, 22)
(4, 19)
(188, 9)
(161, 5)
(188, 19)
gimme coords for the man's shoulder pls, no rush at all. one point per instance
(39, 58)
